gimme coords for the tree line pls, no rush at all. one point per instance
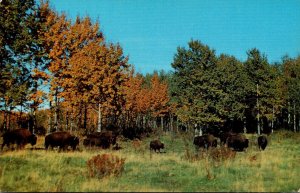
(89, 85)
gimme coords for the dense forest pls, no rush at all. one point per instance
(59, 74)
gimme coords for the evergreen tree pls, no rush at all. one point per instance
(198, 96)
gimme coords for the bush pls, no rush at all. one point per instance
(222, 153)
(136, 144)
(105, 165)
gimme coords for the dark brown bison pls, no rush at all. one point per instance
(237, 142)
(61, 139)
(224, 136)
(262, 142)
(21, 137)
(205, 141)
(100, 139)
(156, 145)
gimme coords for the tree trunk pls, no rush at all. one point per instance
(162, 123)
(196, 130)
(272, 123)
(144, 121)
(56, 111)
(127, 120)
(99, 118)
(71, 122)
(289, 115)
(245, 127)
(9, 120)
(171, 122)
(20, 116)
(258, 124)
(50, 118)
(67, 121)
(35, 106)
(5, 116)
(294, 117)
(200, 131)
(85, 118)
(34, 121)
(298, 123)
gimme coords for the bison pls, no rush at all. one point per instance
(61, 139)
(156, 145)
(100, 139)
(21, 137)
(237, 142)
(224, 136)
(262, 142)
(205, 141)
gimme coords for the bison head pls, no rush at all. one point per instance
(114, 139)
(32, 139)
(75, 142)
(246, 143)
(86, 142)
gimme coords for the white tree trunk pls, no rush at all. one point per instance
(245, 128)
(50, 117)
(289, 115)
(49, 124)
(273, 115)
(200, 131)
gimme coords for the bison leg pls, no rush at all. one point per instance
(74, 147)
(21, 146)
(64, 147)
(46, 145)
(3, 144)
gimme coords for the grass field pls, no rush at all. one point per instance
(276, 169)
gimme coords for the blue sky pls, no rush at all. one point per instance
(151, 30)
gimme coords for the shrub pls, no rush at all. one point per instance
(222, 153)
(136, 144)
(104, 165)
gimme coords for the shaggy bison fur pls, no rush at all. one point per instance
(224, 136)
(262, 142)
(205, 141)
(61, 139)
(21, 137)
(100, 139)
(237, 142)
(156, 145)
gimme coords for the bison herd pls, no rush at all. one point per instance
(106, 139)
(235, 141)
(60, 139)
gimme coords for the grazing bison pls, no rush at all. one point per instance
(262, 142)
(224, 136)
(21, 137)
(238, 142)
(62, 139)
(211, 140)
(156, 145)
(100, 139)
(205, 141)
